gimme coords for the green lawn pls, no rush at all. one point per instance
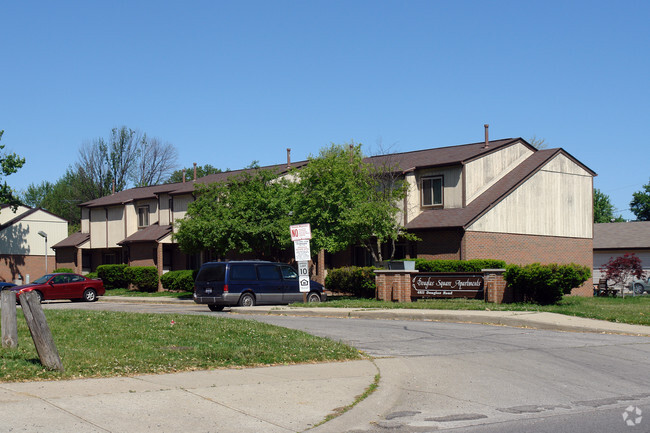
(634, 310)
(102, 344)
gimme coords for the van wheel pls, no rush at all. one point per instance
(313, 297)
(215, 307)
(247, 300)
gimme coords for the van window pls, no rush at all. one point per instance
(288, 273)
(242, 272)
(212, 273)
(268, 272)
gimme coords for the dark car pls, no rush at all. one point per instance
(64, 286)
(249, 283)
(5, 285)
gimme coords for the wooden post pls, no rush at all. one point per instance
(41, 334)
(9, 323)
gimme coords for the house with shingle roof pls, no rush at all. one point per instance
(26, 255)
(613, 240)
(500, 199)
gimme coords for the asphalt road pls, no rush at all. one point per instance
(477, 378)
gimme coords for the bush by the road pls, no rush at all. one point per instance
(359, 281)
(144, 278)
(476, 265)
(113, 276)
(179, 281)
(545, 284)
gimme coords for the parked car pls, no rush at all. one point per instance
(248, 283)
(63, 286)
(5, 285)
(640, 286)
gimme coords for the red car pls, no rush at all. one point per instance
(63, 286)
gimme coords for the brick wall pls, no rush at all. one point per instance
(439, 245)
(495, 287)
(393, 285)
(13, 267)
(67, 258)
(524, 249)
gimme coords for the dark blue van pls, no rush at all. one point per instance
(249, 283)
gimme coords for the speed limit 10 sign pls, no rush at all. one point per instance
(303, 277)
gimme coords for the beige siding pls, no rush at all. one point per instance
(7, 214)
(551, 203)
(180, 206)
(482, 173)
(115, 226)
(164, 215)
(153, 209)
(452, 189)
(97, 228)
(131, 219)
(563, 164)
(85, 220)
(22, 238)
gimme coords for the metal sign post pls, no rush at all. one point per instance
(300, 235)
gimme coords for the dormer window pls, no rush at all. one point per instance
(143, 216)
(431, 191)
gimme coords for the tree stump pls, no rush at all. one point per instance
(9, 323)
(41, 334)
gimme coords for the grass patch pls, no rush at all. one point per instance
(358, 399)
(633, 310)
(104, 344)
(127, 292)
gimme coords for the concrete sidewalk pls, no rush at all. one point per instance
(268, 399)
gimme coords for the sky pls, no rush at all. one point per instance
(229, 83)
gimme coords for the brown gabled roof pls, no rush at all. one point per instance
(149, 192)
(443, 156)
(129, 195)
(630, 235)
(188, 187)
(74, 240)
(463, 217)
(152, 233)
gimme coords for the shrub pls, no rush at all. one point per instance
(179, 281)
(144, 278)
(545, 284)
(475, 265)
(62, 270)
(113, 276)
(356, 280)
(92, 275)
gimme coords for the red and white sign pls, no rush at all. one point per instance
(300, 232)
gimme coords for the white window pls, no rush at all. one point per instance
(431, 191)
(143, 216)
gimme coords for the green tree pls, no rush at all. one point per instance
(603, 209)
(348, 201)
(10, 163)
(249, 213)
(61, 198)
(640, 204)
(201, 170)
